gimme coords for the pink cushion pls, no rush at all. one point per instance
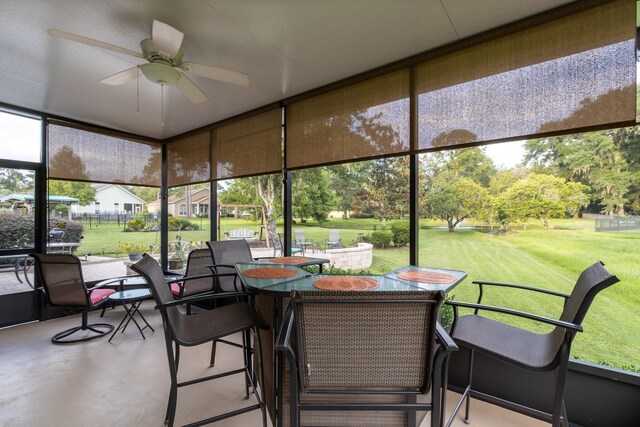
(175, 288)
(98, 295)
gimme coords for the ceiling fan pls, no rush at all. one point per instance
(165, 65)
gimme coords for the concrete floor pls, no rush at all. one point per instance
(126, 382)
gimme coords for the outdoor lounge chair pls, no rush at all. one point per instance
(387, 354)
(181, 329)
(524, 349)
(63, 286)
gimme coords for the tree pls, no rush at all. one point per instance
(542, 197)
(312, 196)
(15, 181)
(607, 162)
(82, 191)
(345, 181)
(384, 189)
(265, 190)
(453, 198)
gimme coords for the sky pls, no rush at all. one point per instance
(506, 155)
(19, 138)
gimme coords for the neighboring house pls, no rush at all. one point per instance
(111, 198)
(25, 202)
(177, 205)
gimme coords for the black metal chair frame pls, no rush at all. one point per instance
(558, 416)
(173, 355)
(99, 329)
(236, 281)
(443, 347)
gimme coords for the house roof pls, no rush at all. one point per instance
(197, 196)
(30, 198)
(285, 46)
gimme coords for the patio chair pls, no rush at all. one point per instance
(524, 349)
(181, 329)
(388, 356)
(278, 245)
(334, 239)
(63, 286)
(198, 277)
(300, 242)
(225, 254)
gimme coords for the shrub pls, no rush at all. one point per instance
(135, 224)
(16, 230)
(72, 229)
(400, 232)
(132, 248)
(380, 239)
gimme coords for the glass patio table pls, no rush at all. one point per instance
(298, 261)
(272, 292)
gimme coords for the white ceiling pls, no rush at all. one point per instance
(286, 46)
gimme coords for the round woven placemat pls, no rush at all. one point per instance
(268, 273)
(427, 277)
(348, 283)
(289, 260)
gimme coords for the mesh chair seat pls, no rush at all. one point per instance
(211, 324)
(517, 346)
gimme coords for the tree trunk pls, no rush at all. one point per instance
(267, 192)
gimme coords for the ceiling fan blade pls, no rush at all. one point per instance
(92, 42)
(121, 78)
(166, 39)
(217, 73)
(190, 90)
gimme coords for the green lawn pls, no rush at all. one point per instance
(551, 259)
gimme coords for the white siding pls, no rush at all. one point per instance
(107, 197)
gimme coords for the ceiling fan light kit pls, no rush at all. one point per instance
(160, 73)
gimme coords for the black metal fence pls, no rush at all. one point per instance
(115, 219)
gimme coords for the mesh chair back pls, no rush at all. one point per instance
(61, 276)
(591, 281)
(362, 341)
(299, 236)
(229, 252)
(197, 265)
(334, 236)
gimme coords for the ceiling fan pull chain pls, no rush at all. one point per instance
(138, 89)
(161, 104)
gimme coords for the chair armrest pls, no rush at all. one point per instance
(187, 278)
(517, 286)
(553, 322)
(283, 340)
(202, 297)
(445, 339)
